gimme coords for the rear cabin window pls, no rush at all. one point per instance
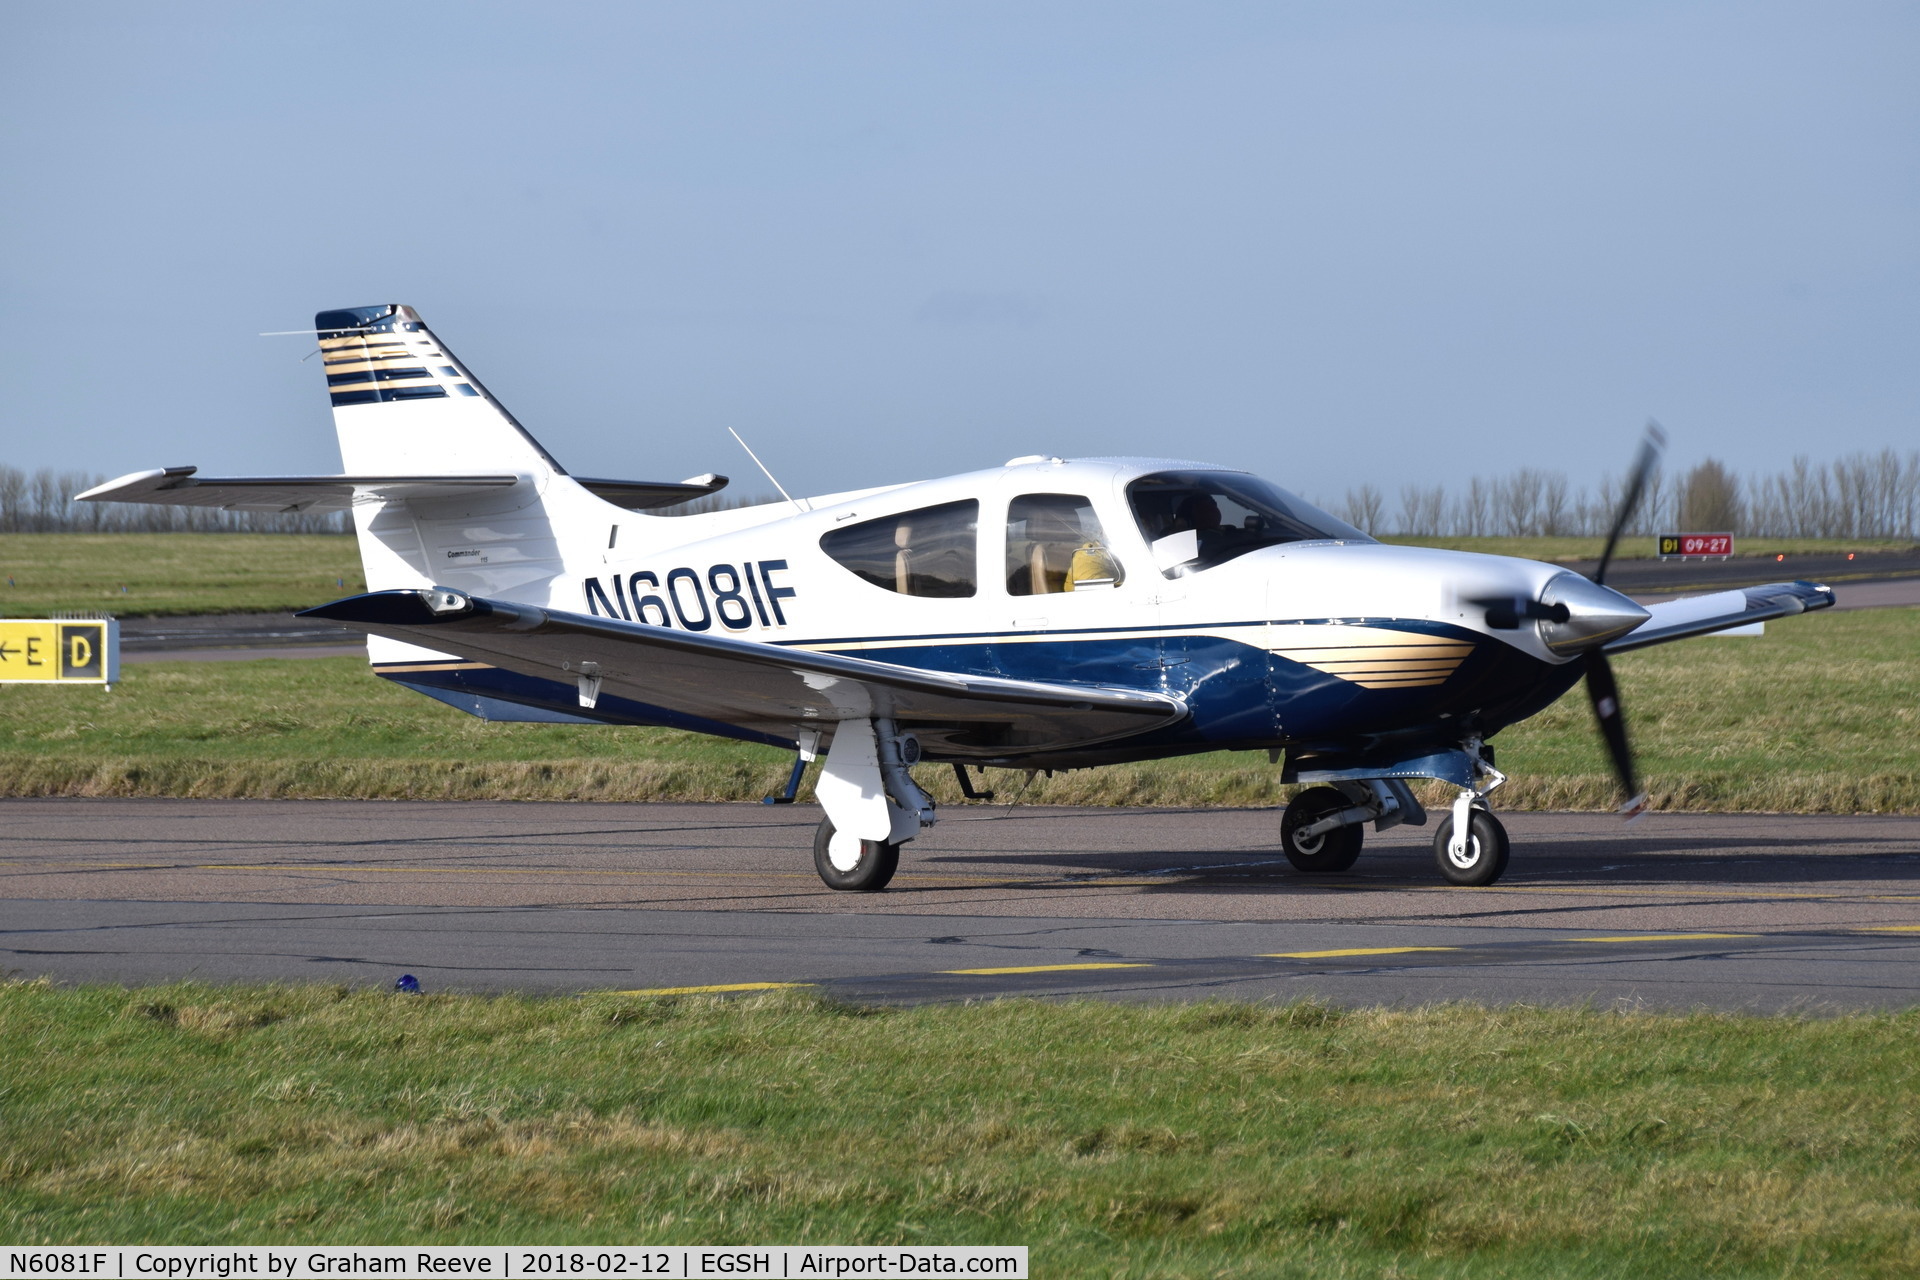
(1055, 543)
(927, 552)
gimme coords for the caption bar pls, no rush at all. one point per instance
(502, 1262)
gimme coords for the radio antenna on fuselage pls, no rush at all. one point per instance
(763, 470)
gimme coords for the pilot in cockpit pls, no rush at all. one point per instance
(1200, 513)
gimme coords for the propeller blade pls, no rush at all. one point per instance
(1643, 464)
(1607, 712)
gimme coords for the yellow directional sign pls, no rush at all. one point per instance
(35, 649)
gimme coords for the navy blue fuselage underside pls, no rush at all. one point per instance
(1239, 695)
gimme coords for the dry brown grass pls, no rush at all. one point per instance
(639, 781)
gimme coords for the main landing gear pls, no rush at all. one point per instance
(862, 866)
(1310, 845)
(873, 804)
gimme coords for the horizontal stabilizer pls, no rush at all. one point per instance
(1723, 611)
(645, 495)
(184, 487)
(770, 689)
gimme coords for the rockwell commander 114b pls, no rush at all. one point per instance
(1045, 614)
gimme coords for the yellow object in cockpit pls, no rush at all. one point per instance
(1093, 565)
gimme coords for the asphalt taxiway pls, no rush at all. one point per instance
(1680, 910)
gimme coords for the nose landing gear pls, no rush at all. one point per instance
(1480, 858)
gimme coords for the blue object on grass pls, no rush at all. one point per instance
(408, 984)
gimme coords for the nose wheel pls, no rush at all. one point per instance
(1335, 849)
(1484, 857)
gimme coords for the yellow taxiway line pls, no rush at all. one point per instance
(1350, 951)
(714, 990)
(734, 987)
(1663, 937)
(1047, 968)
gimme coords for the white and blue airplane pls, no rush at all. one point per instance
(1045, 614)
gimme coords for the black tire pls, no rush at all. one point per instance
(1487, 848)
(1333, 850)
(870, 874)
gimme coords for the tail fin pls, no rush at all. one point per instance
(403, 403)
(406, 407)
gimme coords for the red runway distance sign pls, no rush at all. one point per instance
(1695, 544)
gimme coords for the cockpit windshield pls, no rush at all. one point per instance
(1195, 520)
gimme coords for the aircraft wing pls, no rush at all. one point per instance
(770, 688)
(1723, 611)
(184, 487)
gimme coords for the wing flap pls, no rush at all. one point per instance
(1723, 611)
(770, 689)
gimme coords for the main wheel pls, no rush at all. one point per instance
(1486, 854)
(1333, 850)
(868, 872)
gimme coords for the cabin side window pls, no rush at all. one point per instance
(1055, 543)
(926, 552)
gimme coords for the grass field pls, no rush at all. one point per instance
(1113, 1139)
(146, 574)
(1822, 714)
(141, 574)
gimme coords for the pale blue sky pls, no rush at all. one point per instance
(1330, 242)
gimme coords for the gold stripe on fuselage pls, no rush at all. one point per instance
(1407, 659)
(1371, 657)
(1453, 649)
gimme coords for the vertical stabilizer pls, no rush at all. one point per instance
(403, 403)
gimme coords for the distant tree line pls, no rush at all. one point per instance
(1863, 495)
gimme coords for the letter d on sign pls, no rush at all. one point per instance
(81, 647)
